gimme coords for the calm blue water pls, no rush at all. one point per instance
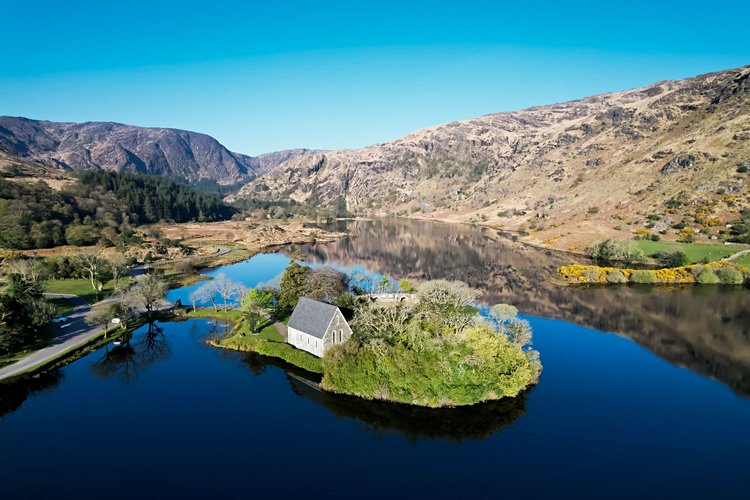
(178, 418)
(260, 270)
(265, 270)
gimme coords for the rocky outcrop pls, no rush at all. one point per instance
(680, 162)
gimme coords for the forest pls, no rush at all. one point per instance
(100, 207)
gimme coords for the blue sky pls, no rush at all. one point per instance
(261, 76)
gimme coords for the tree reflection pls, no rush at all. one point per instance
(413, 422)
(137, 351)
(13, 395)
(455, 424)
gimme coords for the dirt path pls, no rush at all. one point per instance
(282, 329)
(738, 254)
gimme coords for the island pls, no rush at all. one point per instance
(426, 345)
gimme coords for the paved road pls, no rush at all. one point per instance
(67, 335)
(75, 331)
(144, 268)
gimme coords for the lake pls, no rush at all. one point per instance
(644, 393)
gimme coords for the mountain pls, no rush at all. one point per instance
(587, 167)
(114, 146)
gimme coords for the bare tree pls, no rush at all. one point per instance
(324, 283)
(28, 276)
(148, 291)
(118, 265)
(502, 313)
(519, 332)
(204, 294)
(123, 306)
(448, 304)
(100, 315)
(93, 268)
(227, 289)
(388, 322)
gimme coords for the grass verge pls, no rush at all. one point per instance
(695, 252)
(267, 342)
(63, 305)
(82, 288)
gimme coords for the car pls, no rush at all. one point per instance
(60, 319)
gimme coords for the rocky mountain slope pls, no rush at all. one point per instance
(565, 173)
(114, 146)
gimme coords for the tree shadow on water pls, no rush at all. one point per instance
(13, 394)
(136, 352)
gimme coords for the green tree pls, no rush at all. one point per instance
(292, 285)
(405, 287)
(256, 306)
(676, 258)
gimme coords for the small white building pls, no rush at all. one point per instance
(316, 326)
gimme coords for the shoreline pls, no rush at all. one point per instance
(177, 280)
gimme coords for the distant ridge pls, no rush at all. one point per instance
(113, 146)
(558, 171)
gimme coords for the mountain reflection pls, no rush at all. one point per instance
(706, 329)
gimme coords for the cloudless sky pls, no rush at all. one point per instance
(267, 75)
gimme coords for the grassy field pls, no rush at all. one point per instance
(64, 306)
(82, 288)
(695, 252)
(241, 333)
(267, 342)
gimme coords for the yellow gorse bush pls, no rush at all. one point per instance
(582, 274)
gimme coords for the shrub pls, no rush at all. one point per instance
(674, 275)
(676, 258)
(742, 169)
(608, 251)
(730, 275)
(708, 277)
(643, 276)
(616, 276)
(290, 354)
(686, 235)
(592, 275)
(477, 365)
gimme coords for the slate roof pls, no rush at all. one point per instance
(312, 317)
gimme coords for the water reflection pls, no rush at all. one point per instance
(706, 329)
(378, 418)
(454, 424)
(13, 395)
(136, 352)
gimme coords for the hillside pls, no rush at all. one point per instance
(114, 146)
(567, 173)
(43, 207)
